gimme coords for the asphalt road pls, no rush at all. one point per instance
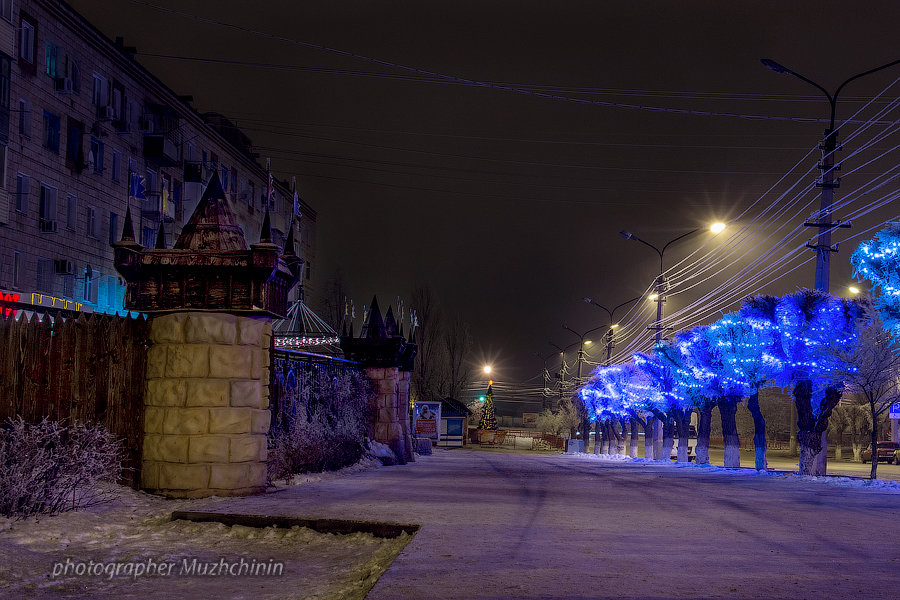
(509, 526)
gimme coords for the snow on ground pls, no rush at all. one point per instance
(837, 481)
(135, 529)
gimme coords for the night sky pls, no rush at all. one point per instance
(509, 203)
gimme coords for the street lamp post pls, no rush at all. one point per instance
(611, 334)
(661, 283)
(824, 224)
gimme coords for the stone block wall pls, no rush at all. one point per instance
(206, 400)
(390, 413)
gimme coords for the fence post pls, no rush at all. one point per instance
(211, 301)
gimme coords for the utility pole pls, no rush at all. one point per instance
(828, 184)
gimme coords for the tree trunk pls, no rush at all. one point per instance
(727, 411)
(648, 437)
(857, 451)
(839, 446)
(657, 439)
(620, 436)
(598, 436)
(683, 426)
(759, 431)
(668, 439)
(704, 425)
(822, 456)
(811, 426)
(874, 441)
(604, 445)
(633, 442)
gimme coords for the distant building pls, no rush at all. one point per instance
(85, 131)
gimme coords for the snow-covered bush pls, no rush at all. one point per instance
(51, 467)
(322, 426)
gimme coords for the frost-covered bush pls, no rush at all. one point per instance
(51, 467)
(321, 425)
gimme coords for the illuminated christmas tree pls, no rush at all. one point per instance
(488, 418)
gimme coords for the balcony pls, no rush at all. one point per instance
(152, 208)
(160, 149)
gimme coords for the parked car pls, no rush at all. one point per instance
(886, 452)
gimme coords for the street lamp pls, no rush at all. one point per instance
(661, 284)
(610, 334)
(823, 245)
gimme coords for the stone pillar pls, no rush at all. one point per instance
(206, 400)
(387, 358)
(211, 300)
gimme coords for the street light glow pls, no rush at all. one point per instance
(588, 342)
(652, 297)
(853, 289)
(717, 227)
(488, 368)
(614, 326)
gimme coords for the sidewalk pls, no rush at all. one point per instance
(503, 525)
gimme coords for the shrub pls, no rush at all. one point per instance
(321, 425)
(50, 467)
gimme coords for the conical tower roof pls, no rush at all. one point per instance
(212, 227)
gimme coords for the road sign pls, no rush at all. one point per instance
(894, 411)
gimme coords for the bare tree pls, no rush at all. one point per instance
(426, 371)
(457, 340)
(334, 300)
(870, 368)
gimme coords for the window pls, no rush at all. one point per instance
(47, 210)
(113, 227)
(45, 275)
(5, 85)
(100, 95)
(6, 11)
(51, 132)
(74, 144)
(71, 212)
(27, 41)
(68, 285)
(148, 237)
(73, 72)
(17, 268)
(24, 117)
(224, 178)
(51, 58)
(234, 189)
(116, 165)
(152, 182)
(95, 158)
(4, 157)
(92, 225)
(118, 101)
(91, 278)
(176, 199)
(251, 195)
(308, 269)
(23, 187)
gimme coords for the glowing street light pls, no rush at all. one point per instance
(853, 289)
(717, 227)
(487, 368)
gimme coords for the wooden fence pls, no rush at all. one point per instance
(79, 367)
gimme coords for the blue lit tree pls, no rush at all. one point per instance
(663, 398)
(878, 260)
(741, 350)
(608, 399)
(715, 383)
(812, 324)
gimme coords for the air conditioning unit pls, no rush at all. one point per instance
(65, 85)
(64, 267)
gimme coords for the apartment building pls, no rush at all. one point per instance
(85, 132)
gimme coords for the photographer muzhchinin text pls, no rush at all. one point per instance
(186, 567)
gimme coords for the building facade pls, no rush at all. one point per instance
(86, 132)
